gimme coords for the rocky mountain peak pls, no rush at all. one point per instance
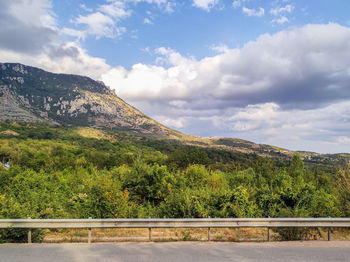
(31, 94)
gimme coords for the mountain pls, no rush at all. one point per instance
(29, 94)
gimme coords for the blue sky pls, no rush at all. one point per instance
(192, 30)
(274, 72)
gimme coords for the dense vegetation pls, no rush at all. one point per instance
(57, 173)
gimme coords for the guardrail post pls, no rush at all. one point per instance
(149, 232)
(329, 233)
(208, 233)
(29, 234)
(89, 233)
(268, 232)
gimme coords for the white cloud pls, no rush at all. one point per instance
(173, 123)
(106, 19)
(221, 48)
(170, 7)
(281, 13)
(32, 12)
(171, 57)
(97, 24)
(116, 9)
(314, 129)
(236, 3)
(84, 7)
(165, 5)
(147, 50)
(103, 23)
(344, 140)
(281, 10)
(205, 4)
(79, 34)
(67, 58)
(26, 25)
(158, 2)
(275, 67)
(256, 112)
(147, 21)
(34, 40)
(120, 30)
(282, 20)
(253, 12)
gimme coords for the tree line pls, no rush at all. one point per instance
(59, 175)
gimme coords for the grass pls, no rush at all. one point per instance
(93, 133)
(158, 234)
(180, 234)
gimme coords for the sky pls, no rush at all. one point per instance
(273, 72)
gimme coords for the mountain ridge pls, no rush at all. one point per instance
(30, 94)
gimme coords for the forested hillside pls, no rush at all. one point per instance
(65, 172)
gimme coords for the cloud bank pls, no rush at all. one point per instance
(304, 68)
(29, 35)
(252, 92)
(289, 89)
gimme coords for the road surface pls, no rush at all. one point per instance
(177, 251)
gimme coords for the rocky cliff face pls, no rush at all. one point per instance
(29, 94)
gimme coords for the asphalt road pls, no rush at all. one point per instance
(177, 251)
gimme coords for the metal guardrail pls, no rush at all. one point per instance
(174, 223)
